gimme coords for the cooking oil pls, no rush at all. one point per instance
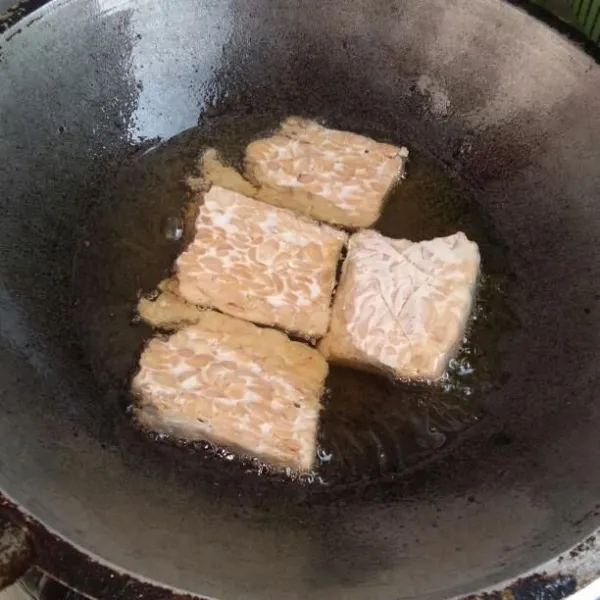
(371, 426)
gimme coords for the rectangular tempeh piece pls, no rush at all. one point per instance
(401, 307)
(261, 263)
(333, 176)
(236, 384)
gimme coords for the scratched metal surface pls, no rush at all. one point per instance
(571, 572)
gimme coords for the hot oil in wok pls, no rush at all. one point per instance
(370, 426)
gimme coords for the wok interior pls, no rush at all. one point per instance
(371, 426)
(497, 97)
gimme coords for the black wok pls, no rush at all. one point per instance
(479, 87)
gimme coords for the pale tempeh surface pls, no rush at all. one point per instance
(236, 384)
(333, 176)
(401, 307)
(261, 263)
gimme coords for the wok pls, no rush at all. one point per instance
(479, 87)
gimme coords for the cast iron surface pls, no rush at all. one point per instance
(554, 580)
(83, 83)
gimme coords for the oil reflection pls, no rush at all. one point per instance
(171, 51)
